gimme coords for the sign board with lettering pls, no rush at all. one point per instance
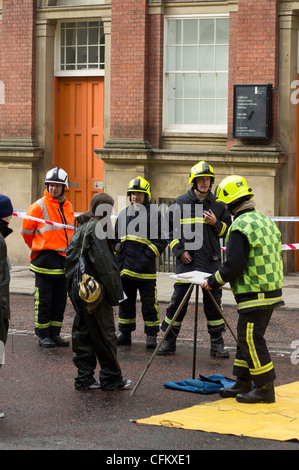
(252, 111)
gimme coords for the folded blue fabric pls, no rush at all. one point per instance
(204, 385)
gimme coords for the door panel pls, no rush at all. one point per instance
(79, 116)
(95, 135)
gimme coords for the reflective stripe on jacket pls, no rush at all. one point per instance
(188, 210)
(138, 236)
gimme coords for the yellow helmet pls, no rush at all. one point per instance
(91, 292)
(139, 184)
(202, 169)
(232, 188)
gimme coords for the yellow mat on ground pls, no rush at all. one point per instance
(278, 421)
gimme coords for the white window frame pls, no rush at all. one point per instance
(183, 128)
(57, 58)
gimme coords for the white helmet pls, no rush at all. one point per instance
(57, 175)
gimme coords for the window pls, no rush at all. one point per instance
(196, 74)
(81, 48)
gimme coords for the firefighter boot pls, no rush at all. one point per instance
(168, 347)
(60, 342)
(263, 394)
(217, 346)
(46, 342)
(241, 386)
(151, 341)
(124, 339)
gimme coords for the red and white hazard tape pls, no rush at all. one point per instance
(23, 215)
(293, 246)
(285, 247)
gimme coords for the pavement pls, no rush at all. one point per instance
(22, 282)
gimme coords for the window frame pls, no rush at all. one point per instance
(220, 129)
(84, 72)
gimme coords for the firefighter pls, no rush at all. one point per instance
(48, 245)
(254, 269)
(197, 213)
(138, 244)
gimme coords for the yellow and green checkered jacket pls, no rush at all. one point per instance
(258, 284)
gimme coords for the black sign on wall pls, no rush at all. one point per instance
(252, 111)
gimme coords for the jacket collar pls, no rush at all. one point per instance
(208, 197)
(59, 200)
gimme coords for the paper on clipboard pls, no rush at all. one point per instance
(195, 277)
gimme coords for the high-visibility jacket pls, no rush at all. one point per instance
(43, 237)
(253, 263)
(264, 270)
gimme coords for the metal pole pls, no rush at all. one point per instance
(188, 294)
(195, 331)
(221, 313)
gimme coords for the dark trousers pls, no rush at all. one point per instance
(49, 306)
(94, 338)
(215, 322)
(253, 359)
(149, 305)
(4, 324)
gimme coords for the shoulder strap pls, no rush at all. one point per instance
(84, 237)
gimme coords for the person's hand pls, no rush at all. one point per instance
(206, 286)
(210, 217)
(185, 257)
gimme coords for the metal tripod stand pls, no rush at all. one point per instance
(196, 283)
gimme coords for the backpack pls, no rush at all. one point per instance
(86, 292)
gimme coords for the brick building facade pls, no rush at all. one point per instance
(168, 77)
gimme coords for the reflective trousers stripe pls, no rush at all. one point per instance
(52, 272)
(256, 371)
(127, 272)
(257, 367)
(252, 357)
(37, 324)
(49, 305)
(149, 305)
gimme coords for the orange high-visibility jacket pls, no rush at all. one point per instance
(40, 236)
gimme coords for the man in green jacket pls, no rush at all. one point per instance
(254, 269)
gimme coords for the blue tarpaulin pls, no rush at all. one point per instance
(204, 385)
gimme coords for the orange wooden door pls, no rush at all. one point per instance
(79, 127)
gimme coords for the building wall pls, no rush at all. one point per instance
(250, 62)
(18, 69)
(128, 59)
(19, 150)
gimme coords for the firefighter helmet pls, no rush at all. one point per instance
(232, 188)
(139, 184)
(57, 175)
(202, 169)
